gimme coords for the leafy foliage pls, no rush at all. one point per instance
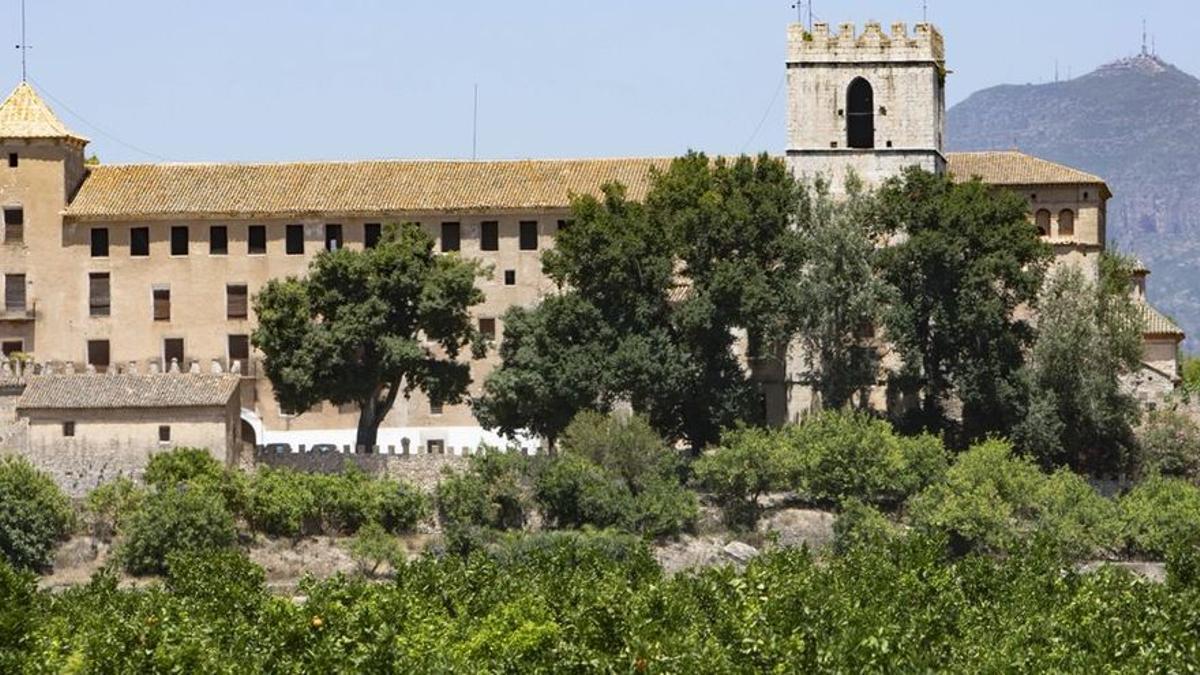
(1161, 513)
(969, 258)
(110, 506)
(176, 520)
(860, 525)
(748, 464)
(283, 502)
(492, 493)
(1088, 336)
(1169, 444)
(365, 327)
(374, 546)
(34, 514)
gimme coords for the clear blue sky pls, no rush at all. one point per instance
(274, 80)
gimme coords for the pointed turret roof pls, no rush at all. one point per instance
(25, 115)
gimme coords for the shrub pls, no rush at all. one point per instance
(183, 465)
(663, 508)
(110, 506)
(572, 492)
(1160, 513)
(373, 546)
(843, 455)
(748, 464)
(175, 520)
(627, 448)
(34, 514)
(861, 525)
(1076, 519)
(987, 500)
(489, 493)
(400, 506)
(282, 503)
(344, 500)
(224, 580)
(1169, 444)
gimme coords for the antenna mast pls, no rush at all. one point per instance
(800, 6)
(1145, 51)
(925, 11)
(24, 46)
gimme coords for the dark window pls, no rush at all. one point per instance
(14, 225)
(256, 240)
(435, 447)
(294, 236)
(162, 304)
(372, 232)
(14, 293)
(1066, 223)
(451, 237)
(10, 347)
(239, 348)
(510, 277)
(1043, 223)
(860, 115)
(236, 296)
(488, 328)
(529, 235)
(164, 433)
(99, 298)
(218, 240)
(173, 353)
(564, 225)
(179, 240)
(68, 429)
(98, 354)
(139, 242)
(489, 236)
(99, 242)
(13, 160)
(333, 237)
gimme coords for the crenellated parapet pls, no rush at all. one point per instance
(847, 45)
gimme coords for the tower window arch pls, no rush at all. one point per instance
(1066, 223)
(1043, 223)
(860, 115)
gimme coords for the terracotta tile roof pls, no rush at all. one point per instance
(25, 115)
(1016, 168)
(347, 188)
(377, 187)
(168, 390)
(1157, 323)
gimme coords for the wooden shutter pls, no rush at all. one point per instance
(14, 225)
(489, 235)
(162, 304)
(236, 301)
(98, 355)
(529, 235)
(99, 298)
(239, 348)
(14, 293)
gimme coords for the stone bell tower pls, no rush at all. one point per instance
(872, 103)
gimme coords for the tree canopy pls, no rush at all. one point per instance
(365, 327)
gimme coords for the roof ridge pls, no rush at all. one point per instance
(23, 114)
(420, 160)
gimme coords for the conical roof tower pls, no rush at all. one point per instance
(25, 115)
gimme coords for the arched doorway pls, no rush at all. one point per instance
(860, 115)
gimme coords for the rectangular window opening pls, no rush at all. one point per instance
(333, 237)
(372, 232)
(173, 354)
(99, 242)
(13, 160)
(99, 296)
(487, 327)
(489, 235)
(162, 304)
(11, 347)
(14, 225)
(239, 348)
(510, 277)
(139, 242)
(179, 240)
(529, 235)
(294, 239)
(98, 354)
(256, 240)
(68, 429)
(451, 237)
(218, 240)
(14, 293)
(164, 433)
(236, 301)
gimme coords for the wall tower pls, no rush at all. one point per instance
(872, 103)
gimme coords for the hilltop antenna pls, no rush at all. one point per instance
(925, 11)
(24, 46)
(803, 8)
(1145, 51)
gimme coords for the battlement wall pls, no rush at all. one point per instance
(821, 45)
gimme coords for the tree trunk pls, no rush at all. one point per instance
(368, 427)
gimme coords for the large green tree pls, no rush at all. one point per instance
(966, 258)
(838, 295)
(366, 327)
(1089, 335)
(670, 281)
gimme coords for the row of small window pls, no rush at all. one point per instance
(256, 238)
(237, 298)
(164, 431)
(99, 352)
(1066, 223)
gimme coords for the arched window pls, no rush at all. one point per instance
(1043, 223)
(1066, 223)
(860, 115)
